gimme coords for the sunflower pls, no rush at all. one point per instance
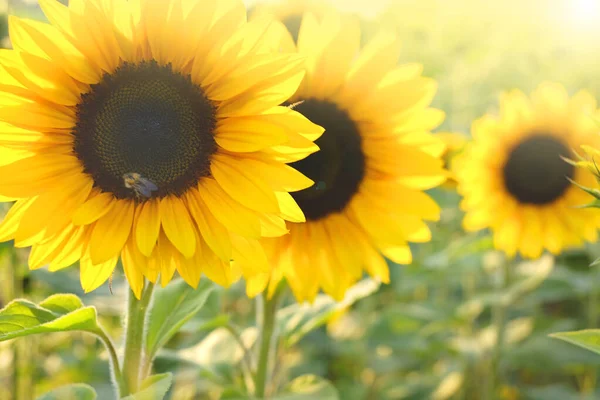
(151, 132)
(290, 12)
(377, 156)
(514, 177)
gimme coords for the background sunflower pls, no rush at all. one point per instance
(376, 157)
(514, 179)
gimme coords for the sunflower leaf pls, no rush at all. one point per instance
(589, 339)
(593, 204)
(307, 387)
(297, 320)
(173, 306)
(77, 391)
(593, 192)
(153, 388)
(58, 313)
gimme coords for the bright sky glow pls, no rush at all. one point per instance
(586, 11)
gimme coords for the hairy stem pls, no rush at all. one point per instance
(267, 309)
(134, 339)
(117, 375)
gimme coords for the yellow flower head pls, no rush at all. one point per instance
(150, 131)
(514, 176)
(377, 156)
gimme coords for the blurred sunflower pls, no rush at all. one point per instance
(513, 176)
(290, 12)
(376, 158)
(151, 131)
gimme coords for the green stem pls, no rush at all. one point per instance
(247, 360)
(266, 310)
(24, 348)
(591, 374)
(134, 339)
(114, 362)
(500, 321)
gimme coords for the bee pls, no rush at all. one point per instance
(141, 186)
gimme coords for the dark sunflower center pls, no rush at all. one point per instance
(292, 23)
(338, 168)
(149, 120)
(535, 173)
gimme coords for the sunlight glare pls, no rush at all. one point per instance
(586, 11)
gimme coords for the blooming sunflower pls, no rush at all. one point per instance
(377, 156)
(148, 131)
(513, 176)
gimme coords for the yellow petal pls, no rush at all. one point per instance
(243, 185)
(289, 209)
(133, 264)
(111, 232)
(11, 221)
(94, 275)
(147, 227)
(250, 252)
(248, 134)
(177, 225)
(212, 231)
(227, 211)
(93, 209)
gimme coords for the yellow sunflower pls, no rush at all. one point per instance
(377, 156)
(149, 131)
(513, 176)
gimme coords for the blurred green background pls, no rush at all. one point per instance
(431, 333)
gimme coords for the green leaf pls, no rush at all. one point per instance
(58, 313)
(153, 388)
(591, 191)
(297, 320)
(173, 306)
(589, 339)
(309, 387)
(233, 393)
(77, 391)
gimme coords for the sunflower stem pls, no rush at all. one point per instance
(114, 362)
(591, 373)
(500, 316)
(134, 339)
(266, 312)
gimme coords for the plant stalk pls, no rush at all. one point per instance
(500, 316)
(266, 313)
(114, 362)
(134, 339)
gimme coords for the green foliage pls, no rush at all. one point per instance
(153, 388)
(71, 392)
(308, 387)
(297, 320)
(173, 306)
(589, 339)
(58, 313)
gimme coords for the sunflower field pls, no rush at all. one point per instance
(299, 200)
